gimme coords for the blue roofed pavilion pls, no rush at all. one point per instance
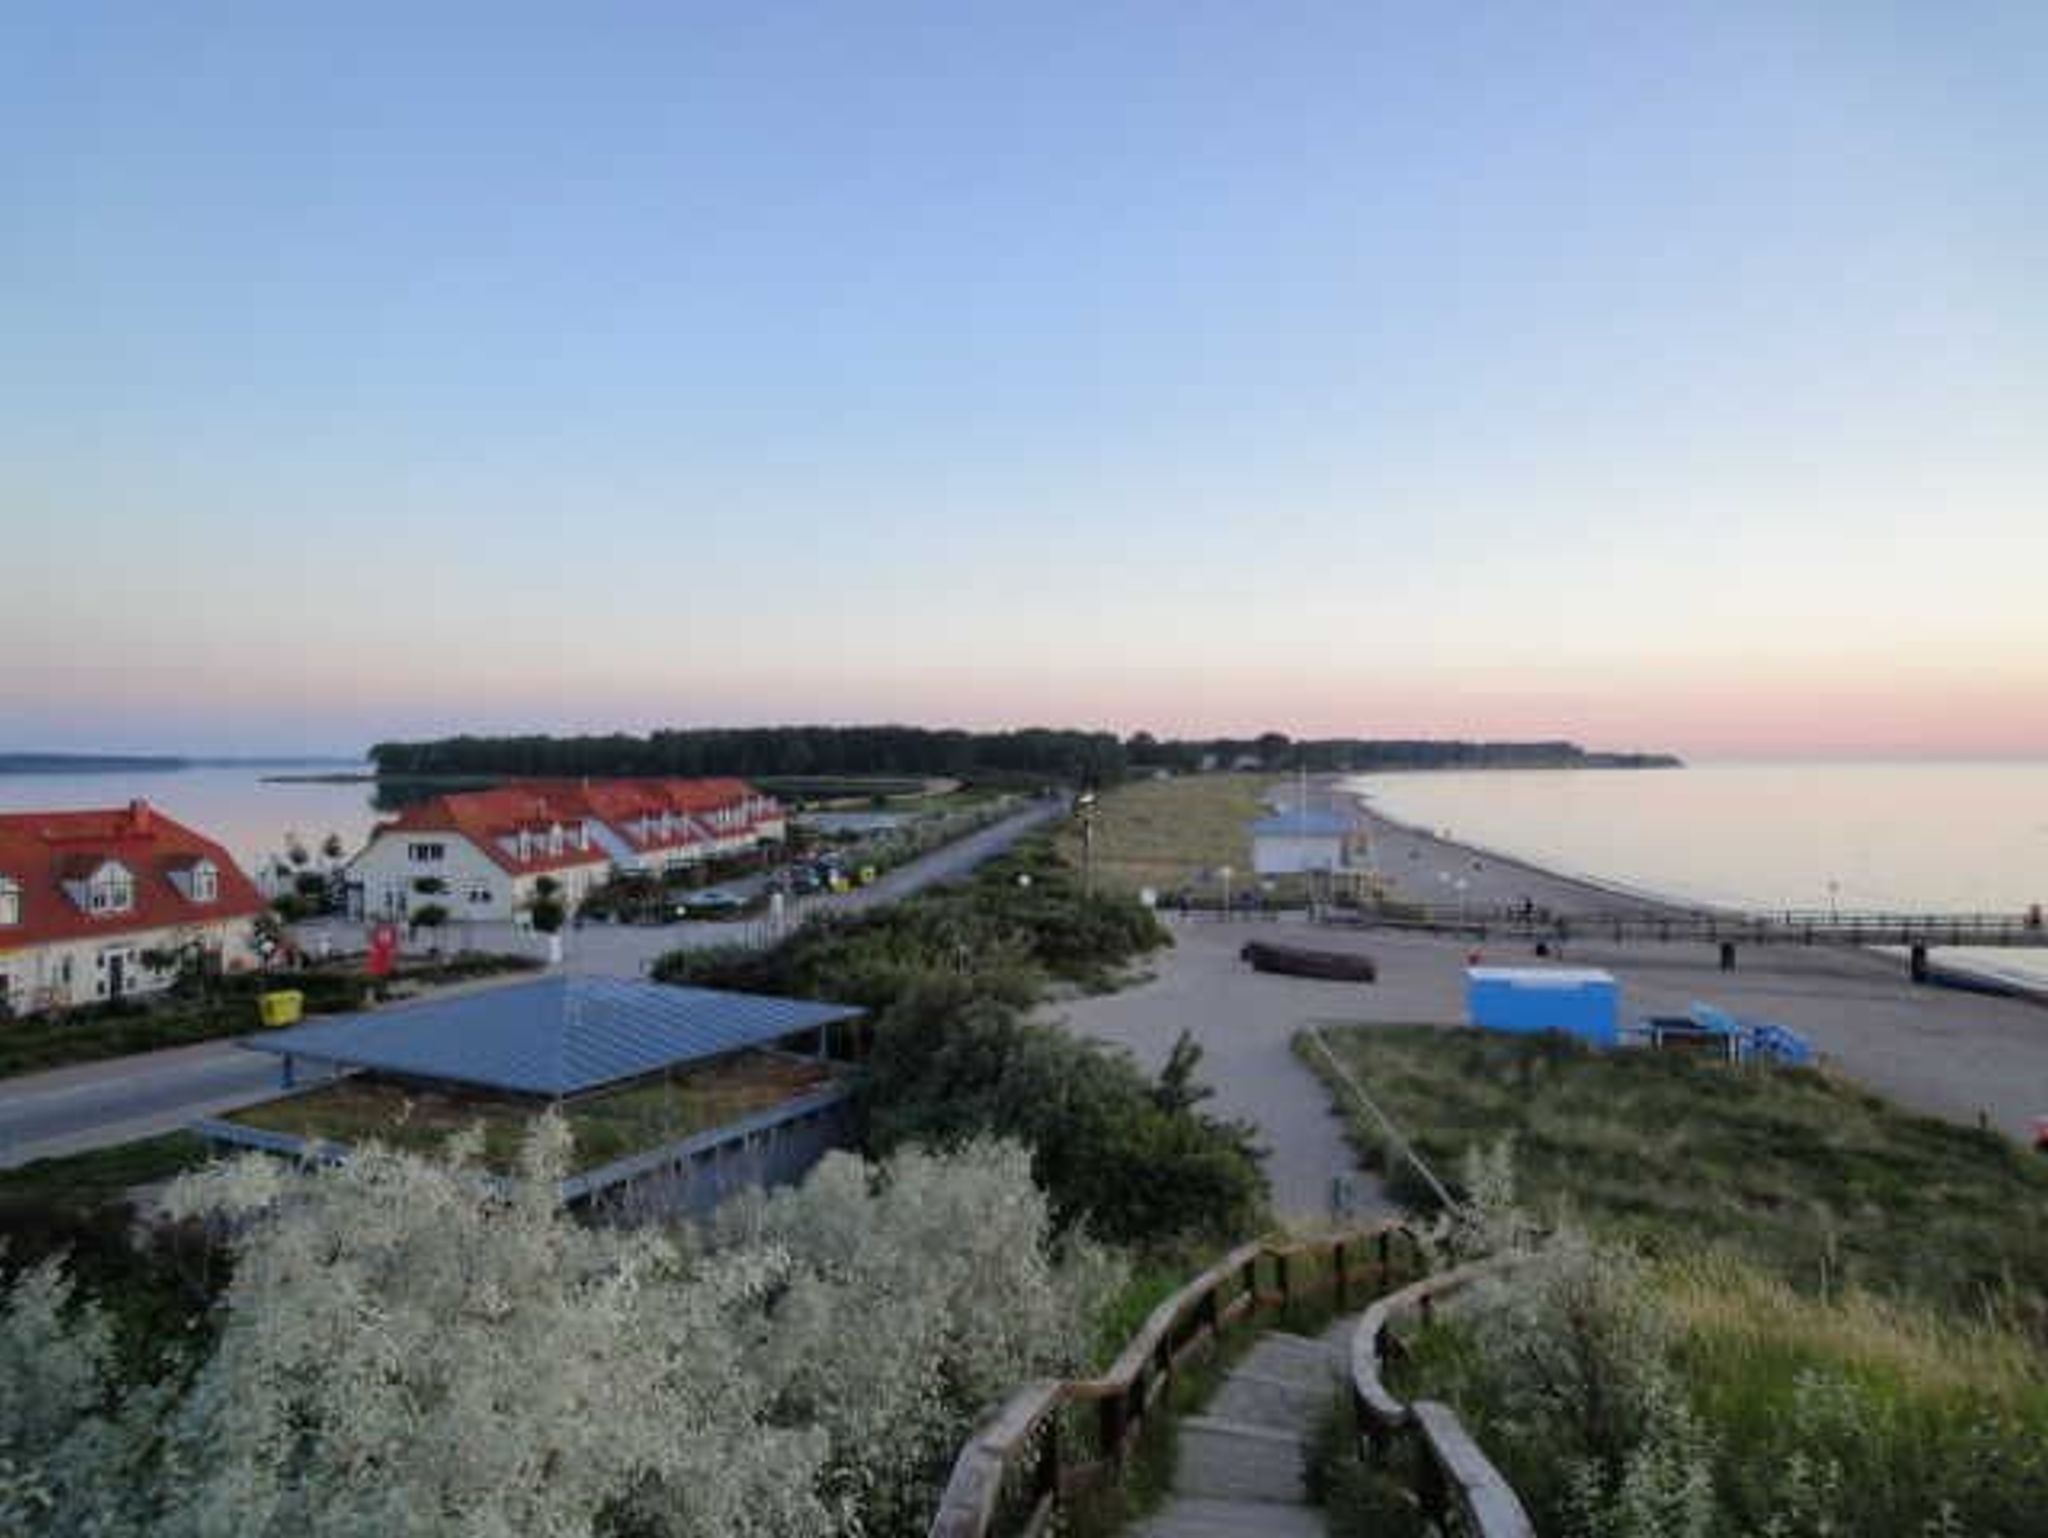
(555, 1037)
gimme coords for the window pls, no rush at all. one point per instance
(426, 854)
(479, 894)
(112, 890)
(10, 901)
(205, 882)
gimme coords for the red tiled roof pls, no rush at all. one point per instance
(620, 803)
(40, 851)
(485, 816)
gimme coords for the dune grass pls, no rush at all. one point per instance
(1823, 1183)
(1856, 1297)
(1164, 834)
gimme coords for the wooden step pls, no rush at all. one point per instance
(1238, 1461)
(1285, 1404)
(1201, 1517)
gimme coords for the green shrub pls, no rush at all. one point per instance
(948, 976)
(1111, 1148)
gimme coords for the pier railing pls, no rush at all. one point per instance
(1053, 1441)
(1786, 927)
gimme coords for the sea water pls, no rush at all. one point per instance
(253, 817)
(1913, 837)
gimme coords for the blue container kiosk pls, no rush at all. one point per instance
(1580, 1001)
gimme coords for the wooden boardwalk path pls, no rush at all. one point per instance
(1239, 1469)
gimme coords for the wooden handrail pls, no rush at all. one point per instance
(1455, 1473)
(1125, 1394)
(1462, 1475)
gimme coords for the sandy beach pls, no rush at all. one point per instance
(1965, 1056)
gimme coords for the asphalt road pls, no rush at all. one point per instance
(97, 1105)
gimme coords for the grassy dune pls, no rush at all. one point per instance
(1821, 1182)
(1856, 1296)
(1165, 833)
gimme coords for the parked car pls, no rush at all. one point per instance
(713, 902)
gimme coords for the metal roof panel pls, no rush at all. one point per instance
(554, 1036)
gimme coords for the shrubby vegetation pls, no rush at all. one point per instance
(952, 976)
(407, 1348)
(1699, 1397)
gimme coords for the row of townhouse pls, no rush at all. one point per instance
(89, 899)
(485, 854)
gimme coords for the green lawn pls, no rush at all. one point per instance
(606, 1127)
(1818, 1180)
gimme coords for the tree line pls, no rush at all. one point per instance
(1035, 753)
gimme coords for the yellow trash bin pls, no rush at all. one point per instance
(283, 1007)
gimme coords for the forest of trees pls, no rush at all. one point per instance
(1035, 753)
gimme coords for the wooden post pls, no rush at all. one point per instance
(1115, 1419)
(1280, 1269)
(1048, 1478)
(1337, 1261)
(1429, 1486)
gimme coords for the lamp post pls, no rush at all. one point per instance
(1834, 888)
(1084, 813)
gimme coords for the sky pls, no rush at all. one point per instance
(1663, 377)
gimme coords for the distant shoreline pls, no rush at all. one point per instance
(168, 763)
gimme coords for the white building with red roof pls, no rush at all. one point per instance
(90, 899)
(483, 854)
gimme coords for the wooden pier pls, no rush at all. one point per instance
(1914, 933)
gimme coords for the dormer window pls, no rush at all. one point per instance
(10, 901)
(111, 890)
(205, 882)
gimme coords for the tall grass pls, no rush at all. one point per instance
(1822, 1183)
(1837, 1306)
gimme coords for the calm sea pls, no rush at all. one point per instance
(235, 805)
(1924, 837)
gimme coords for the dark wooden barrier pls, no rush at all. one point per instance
(1016, 1471)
